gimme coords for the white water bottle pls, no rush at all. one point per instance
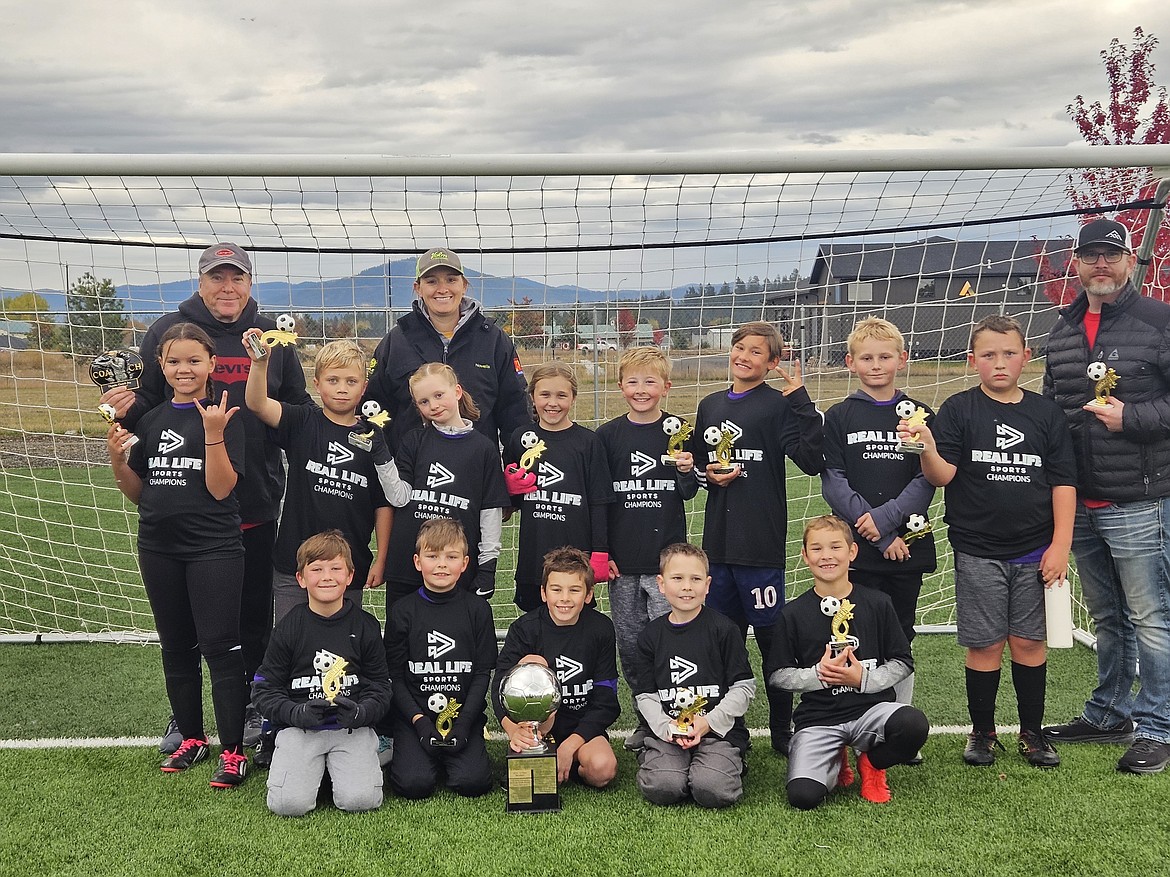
(1058, 614)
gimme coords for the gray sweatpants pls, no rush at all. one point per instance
(711, 773)
(299, 762)
(634, 601)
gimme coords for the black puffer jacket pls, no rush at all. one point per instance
(1133, 340)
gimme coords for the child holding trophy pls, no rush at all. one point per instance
(340, 473)
(1005, 456)
(841, 646)
(653, 477)
(324, 680)
(441, 648)
(692, 683)
(746, 522)
(182, 475)
(876, 484)
(558, 477)
(578, 645)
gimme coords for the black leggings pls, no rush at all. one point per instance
(196, 606)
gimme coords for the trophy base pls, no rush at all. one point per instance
(723, 470)
(130, 442)
(915, 448)
(668, 460)
(532, 783)
(1101, 403)
(837, 647)
(678, 731)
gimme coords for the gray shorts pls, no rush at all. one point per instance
(995, 599)
(815, 751)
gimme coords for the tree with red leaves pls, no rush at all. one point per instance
(1137, 113)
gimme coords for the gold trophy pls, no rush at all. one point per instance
(840, 611)
(722, 443)
(915, 416)
(679, 430)
(689, 705)
(283, 334)
(447, 712)
(918, 527)
(534, 446)
(374, 414)
(1106, 379)
(108, 412)
(332, 678)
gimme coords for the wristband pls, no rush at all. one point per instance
(212, 444)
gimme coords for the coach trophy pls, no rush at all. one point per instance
(722, 443)
(446, 712)
(840, 611)
(689, 705)
(1106, 379)
(915, 416)
(679, 430)
(530, 693)
(116, 368)
(917, 526)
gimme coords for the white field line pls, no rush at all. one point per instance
(152, 742)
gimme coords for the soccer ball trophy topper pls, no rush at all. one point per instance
(530, 693)
(1106, 381)
(915, 416)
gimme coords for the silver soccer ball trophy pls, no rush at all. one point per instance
(530, 693)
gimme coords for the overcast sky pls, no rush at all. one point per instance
(469, 76)
(462, 77)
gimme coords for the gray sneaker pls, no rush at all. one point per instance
(171, 738)
(636, 742)
(1145, 756)
(253, 726)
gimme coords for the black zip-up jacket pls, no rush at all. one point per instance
(1133, 340)
(483, 357)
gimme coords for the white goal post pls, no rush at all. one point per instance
(577, 256)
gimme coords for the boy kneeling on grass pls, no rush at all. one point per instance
(324, 681)
(841, 646)
(578, 643)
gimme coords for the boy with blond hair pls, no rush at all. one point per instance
(1005, 456)
(338, 468)
(650, 511)
(324, 680)
(841, 646)
(746, 522)
(875, 485)
(693, 684)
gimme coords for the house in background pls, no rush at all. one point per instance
(933, 290)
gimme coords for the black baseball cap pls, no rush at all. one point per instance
(1104, 231)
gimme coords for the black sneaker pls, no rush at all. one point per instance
(980, 749)
(172, 738)
(1145, 756)
(190, 752)
(233, 767)
(253, 725)
(636, 742)
(781, 740)
(265, 746)
(1080, 731)
(1036, 749)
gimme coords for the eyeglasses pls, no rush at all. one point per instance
(1111, 256)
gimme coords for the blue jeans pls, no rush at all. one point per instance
(1123, 558)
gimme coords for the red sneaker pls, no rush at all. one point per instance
(873, 781)
(845, 776)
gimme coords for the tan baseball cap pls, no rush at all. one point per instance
(439, 257)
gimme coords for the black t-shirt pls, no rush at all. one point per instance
(451, 476)
(706, 655)
(1009, 457)
(572, 477)
(649, 513)
(332, 482)
(176, 514)
(861, 440)
(805, 629)
(305, 646)
(441, 644)
(584, 658)
(746, 522)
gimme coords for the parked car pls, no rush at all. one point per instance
(602, 345)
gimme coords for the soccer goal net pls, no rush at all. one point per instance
(576, 257)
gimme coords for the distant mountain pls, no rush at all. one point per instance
(365, 290)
